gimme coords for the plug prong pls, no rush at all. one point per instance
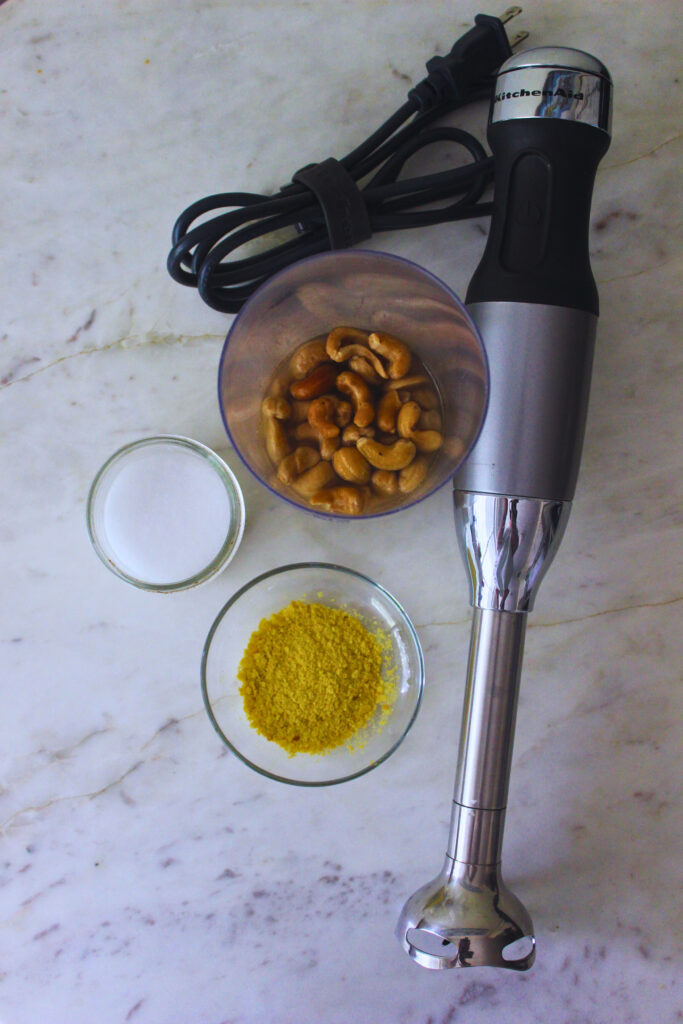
(509, 14)
(518, 38)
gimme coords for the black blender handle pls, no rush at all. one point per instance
(545, 166)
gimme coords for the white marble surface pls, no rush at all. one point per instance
(145, 875)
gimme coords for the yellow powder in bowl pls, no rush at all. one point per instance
(311, 677)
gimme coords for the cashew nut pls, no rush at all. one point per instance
(346, 423)
(279, 385)
(313, 479)
(408, 382)
(307, 357)
(383, 456)
(299, 411)
(430, 419)
(337, 337)
(361, 366)
(358, 346)
(277, 444)
(343, 411)
(410, 478)
(385, 482)
(348, 501)
(394, 351)
(277, 407)
(327, 445)
(350, 465)
(453, 447)
(406, 422)
(350, 383)
(297, 463)
(275, 410)
(351, 433)
(321, 416)
(389, 404)
(316, 383)
(426, 398)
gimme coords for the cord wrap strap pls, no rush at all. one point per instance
(341, 201)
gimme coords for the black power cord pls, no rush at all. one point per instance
(326, 203)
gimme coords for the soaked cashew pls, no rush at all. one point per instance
(276, 406)
(357, 346)
(337, 338)
(453, 447)
(348, 426)
(274, 410)
(383, 456)
(316, 383)
(297, 463)
(388, 406)
(351, 384)
(385, 482)
(313, 479)
(350, 465)
(406, 422)
(343, 411)
(307, 357)
(321, 413)
(362, 367)
(351, 433)
(394, 351)
(279, 386)
(327, 445)
(299, 411)
(408, 382)
(430, 419)
(348, 501)
(410, 478)
(426, 398)
(277, 444)
(305, 432)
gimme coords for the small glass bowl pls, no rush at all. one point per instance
(337, 587)
(134, 455)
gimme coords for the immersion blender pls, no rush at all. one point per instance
(534, 300)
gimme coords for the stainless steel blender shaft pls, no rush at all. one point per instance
(466, 916)
(534, 301)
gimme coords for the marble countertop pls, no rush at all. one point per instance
(145, 874)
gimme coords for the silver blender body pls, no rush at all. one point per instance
(534, 301)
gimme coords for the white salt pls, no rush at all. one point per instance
(166, 515)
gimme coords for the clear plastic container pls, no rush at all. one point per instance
(372, 291)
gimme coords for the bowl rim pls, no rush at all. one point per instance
(342, 254)
(291, 567)
(235, 527)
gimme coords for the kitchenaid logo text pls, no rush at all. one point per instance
(565, 93)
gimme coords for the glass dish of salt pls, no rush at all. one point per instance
(165, 513)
